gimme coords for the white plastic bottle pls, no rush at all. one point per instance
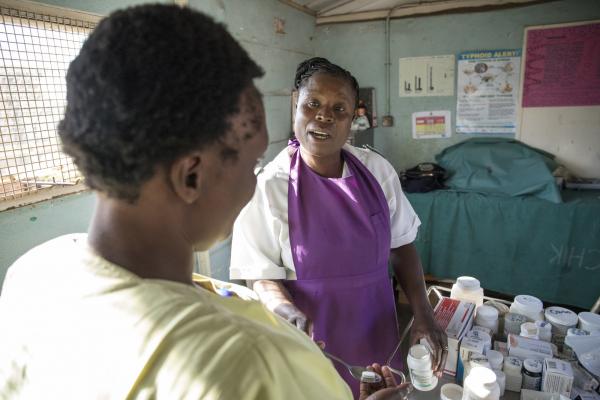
(496, 359)
(544, 330)
(419, 367)
(588, 321)
(487, 317)
(512, 371)
(467, 289)
(529, 306)
(561, 319)
(481, 384)
(530, 330)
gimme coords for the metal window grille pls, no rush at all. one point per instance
(35, 52)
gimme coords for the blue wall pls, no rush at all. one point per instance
(360, 47)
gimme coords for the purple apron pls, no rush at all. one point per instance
(340, 240)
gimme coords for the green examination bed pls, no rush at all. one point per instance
(514, 245)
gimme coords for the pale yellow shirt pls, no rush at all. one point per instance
(75, 326)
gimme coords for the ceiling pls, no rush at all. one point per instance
(335, 11)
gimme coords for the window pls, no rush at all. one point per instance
(36, 47)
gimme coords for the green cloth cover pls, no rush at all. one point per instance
(514, 245)
(500, 166)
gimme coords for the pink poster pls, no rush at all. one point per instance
(562, 66)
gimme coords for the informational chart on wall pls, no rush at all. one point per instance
(562, 66)
(560, 102)
(427, 76)
(431, 124)
(487, 92)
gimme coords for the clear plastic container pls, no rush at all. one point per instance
(419, 367)
(529, 306)
(529, 330)
(467, 289)
(544, 330)
(481, 385)
(589, 321)
(496, 359)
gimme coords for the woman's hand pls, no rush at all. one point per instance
(277, 299)
(425, 327)
(294, 316)
(387, 389)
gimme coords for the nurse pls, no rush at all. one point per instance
(324, 221)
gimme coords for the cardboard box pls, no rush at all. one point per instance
(468, 346)
(456, 318)
(522, 347)
(557, 377)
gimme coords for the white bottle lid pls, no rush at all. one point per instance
(532, 365)
(451, 391)
(513, 365)
(481, 384)
(495, 358)
(528, 303)
(468, 283)
(561, 316)
(589, 321)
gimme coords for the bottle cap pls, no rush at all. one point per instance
(589, 321)
(529, 303)
(561, 316)
(532, 365)
(468, 283)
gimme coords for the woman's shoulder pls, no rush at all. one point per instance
(375, 162)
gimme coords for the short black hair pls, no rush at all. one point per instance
(308, 68)
(150, 84)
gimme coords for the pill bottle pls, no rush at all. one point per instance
(588, 321)
(532, 374)
(568, 352)
(512, 371)
(544, 330)
(529, 306)
(529, 330)
(487, 316)
(419, 367)
(496, 359)
(561, 320)
(512, 323)
(487, 339)
(451, 391)
(502, 311)
(481, 385)
(467, 289)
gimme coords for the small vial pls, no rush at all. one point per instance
(419, 367)
(370, 377)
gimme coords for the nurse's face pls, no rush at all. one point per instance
(324, 115)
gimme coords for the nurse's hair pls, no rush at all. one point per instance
(308, 68)
(150, 84)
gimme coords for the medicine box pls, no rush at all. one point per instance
(557, 377)
(522, 347)
(456, 318)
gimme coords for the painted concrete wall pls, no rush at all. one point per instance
(360, 47)
(251, 23)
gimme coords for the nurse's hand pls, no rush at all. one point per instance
(425, 327)
(388, 389)
(294, 316)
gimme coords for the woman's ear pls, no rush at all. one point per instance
(185, 176)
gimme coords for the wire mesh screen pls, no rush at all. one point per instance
(35, 52)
